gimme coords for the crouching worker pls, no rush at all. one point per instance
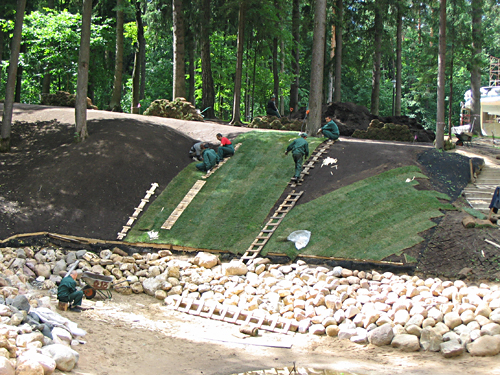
(226, 147)
(67, 292)
(330, 130)
(195, 151)
(210, 159)
(299, 148)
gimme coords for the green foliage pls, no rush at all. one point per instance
(52, 42)
(370, 219)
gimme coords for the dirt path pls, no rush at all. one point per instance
(136, 332)
(66, 115)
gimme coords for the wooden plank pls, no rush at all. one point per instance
(169, 223)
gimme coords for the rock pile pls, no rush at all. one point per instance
(403, 311)
(29, 342)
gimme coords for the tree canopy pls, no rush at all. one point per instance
(272, 37)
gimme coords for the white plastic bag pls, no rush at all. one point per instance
(300, 238)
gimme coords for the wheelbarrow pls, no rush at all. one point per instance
(97, 284)
(464, 138)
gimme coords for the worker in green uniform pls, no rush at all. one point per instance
(300, 149)
(226, 147)
(210, 159)
(67, 292)
(330, 130)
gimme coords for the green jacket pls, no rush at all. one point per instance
(332, 126)
(299, 146)
(66, 287)
(210, 158)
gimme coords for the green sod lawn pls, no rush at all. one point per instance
(230, 209)
(370, 219)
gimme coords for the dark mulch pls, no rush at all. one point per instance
(89, 189)
(49, 183)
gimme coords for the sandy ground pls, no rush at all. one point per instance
(132, 333)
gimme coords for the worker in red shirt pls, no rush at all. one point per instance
(226, 147)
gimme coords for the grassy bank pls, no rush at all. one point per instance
(230, 209)
(371, 219)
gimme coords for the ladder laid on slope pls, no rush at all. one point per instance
(310, 162)
(137, 211)
(268, 229)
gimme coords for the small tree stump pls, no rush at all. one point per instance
(63, 306)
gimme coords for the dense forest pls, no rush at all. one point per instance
(228, 57)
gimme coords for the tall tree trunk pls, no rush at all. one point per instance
(1, 50)
(142, 49)
(294, 88)
(116, 97)
(452, 60)
(179, 89)
(331, 65)
(83, 73)
(276, 80)
(399, 66)
(11, 78)
(475, 74)
(191, 68)
(136, 83)
(441, 76)
(317, 68)
(338, 51)
(207, 81)
(19, 79)
(282, 71)
(236, 119)
(136, 73)
(377, 57)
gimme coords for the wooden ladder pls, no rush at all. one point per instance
(137, 211)
(310, 162)
(234, 315)
(268, 229)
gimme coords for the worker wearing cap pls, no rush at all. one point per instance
(330, 130)
(299, 148)
(210, 159)
(226, 147)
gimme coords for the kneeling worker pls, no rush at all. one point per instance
(226, 147)
(67, 292)
(299, 148)
(210, 159)
(330, 130)
(195, 151)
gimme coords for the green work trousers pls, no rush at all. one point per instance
(298, 159)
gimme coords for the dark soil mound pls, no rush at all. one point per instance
(87, 189)
(351, 117)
